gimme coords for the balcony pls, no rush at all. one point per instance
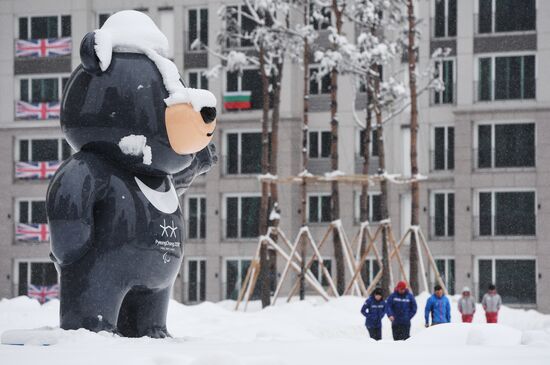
(38, 56)
(36, 170)
(32, 232)
(490, 90)
(508, 225)
(37, 111)
(489, 159)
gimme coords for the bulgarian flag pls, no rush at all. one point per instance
(237, 100)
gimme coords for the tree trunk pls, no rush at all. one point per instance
(413, 256)
(264, 202)
(335, 199)
(383, 188)
(305, 131)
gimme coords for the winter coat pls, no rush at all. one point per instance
(467, 305)
(491, 303)
(440, 308)
(374, 311)
(401, 307)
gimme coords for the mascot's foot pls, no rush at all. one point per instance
(157, 333)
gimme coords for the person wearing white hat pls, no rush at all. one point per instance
(467, 305)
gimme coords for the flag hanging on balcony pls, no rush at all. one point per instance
(43, 293)
(47, 47)
(39, 111)
(38, 232)
(36, 170)
(237, 100)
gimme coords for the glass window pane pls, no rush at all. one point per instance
(326, 139)
(484, 146)
(192, 27)
(485, 272)
(515, 15)
(193, 218)
(232, 272)
(204, 26)
(66, 150)
(313, 84)
(451, 276)
(375, 142)
(45, 150)
(485, 16)
(250, 213)
(515, 147)
(325, 209)
(232, 81)
(38, 212)
(450, 148)
(515, 213)
(193, 80)
(325, 84)
(247, 25)
(45, 90)
(313, 144)
(232, 153)
(103, 18)
(204, 81)
(439, 148)
(43, 274)
(439, 212)
(448, 80)
(202, 275)
(529, 81)
(24, 90)
(450, 214)
(313, 207)
(485, 214)
(485, 80)
(516, 281)
(24, 150)
(376, 200)
(251, 153)
(192, 295)
(202, 220)
(23, 212)
(232, 217)
(439, 30)
(24, 29)
(66, 26)
(23, 278)
(252, 81)
(44, 27)
(451, 20)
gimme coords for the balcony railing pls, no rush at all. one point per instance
(488, 159)
(441, 163)
(33, 232)
(488, 25)
(491, 90)
(442, 228)
(37, 111)
(36, 170)
(440, 27)
(46, 47)
(444, 97)
(506, 225)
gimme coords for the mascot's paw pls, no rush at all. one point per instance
(157, 332)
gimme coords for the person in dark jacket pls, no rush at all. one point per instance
(439, 307)
(401, 308)
(374, 310)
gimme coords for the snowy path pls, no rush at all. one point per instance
(310, 332)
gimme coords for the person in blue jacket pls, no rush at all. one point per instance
(401, 308)
(439, 307)
(374, 310)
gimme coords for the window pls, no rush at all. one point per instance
(374, 207)
(319, 144)
(320, 17)
(197, 27)
(445, 18)
(243, 153)
(317, 272)
(318, 84)
(444, 70)
(443, 153)
(446, 268)
(319, 208)
(239, 26)
(247, 87)
(102, 18)
(197, 80)
(506, 16)
(40, 27)
(443, 214)
(515, 279)
(34, 150)
(235, 273)
(506, 213)
(373, 143)
(196, 280)
(196, 217)
(370, 268)
(31, 211)
(41, 90)
(33, 276)
(242, 216)
(514, 78)
(515, 147)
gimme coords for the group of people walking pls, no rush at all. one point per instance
(401, 307)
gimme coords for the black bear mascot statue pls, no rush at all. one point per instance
(115, 220)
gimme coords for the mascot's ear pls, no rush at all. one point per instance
(88, 57)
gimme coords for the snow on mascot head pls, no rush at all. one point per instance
(115, 221)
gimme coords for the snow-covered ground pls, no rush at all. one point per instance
(309, 332)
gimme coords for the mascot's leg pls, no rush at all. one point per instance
(87, 301)
(143, 313)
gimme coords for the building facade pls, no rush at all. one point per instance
(483, 142)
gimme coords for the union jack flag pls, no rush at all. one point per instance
(46, 47)
(43, 293)
(38, 232)
(36, 170)
(40, 111)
